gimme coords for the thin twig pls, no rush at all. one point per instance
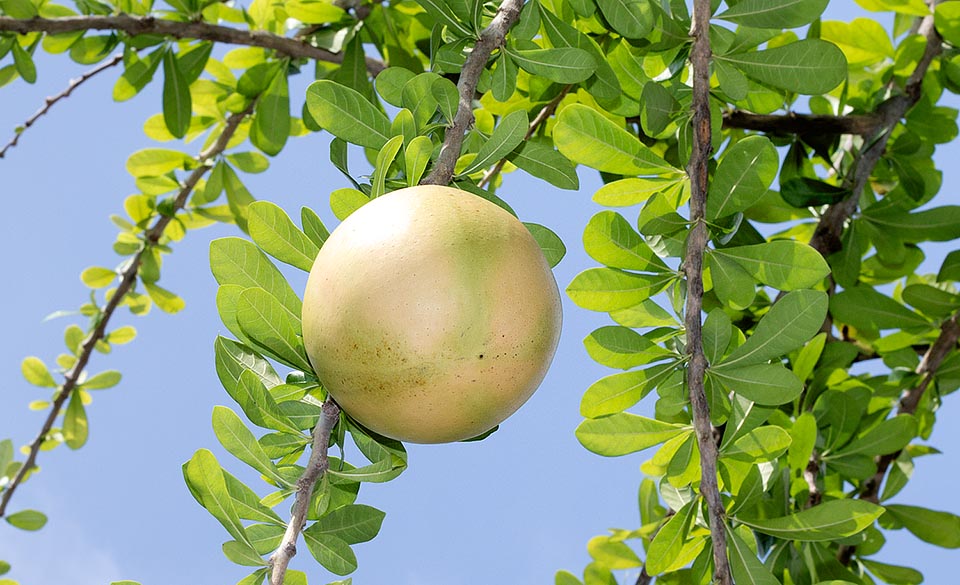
(316, 467)
(50, 101)
(150, 25)
(927, 369)
(491, 38)
(128, 280)
(542, 117)
(693, 265)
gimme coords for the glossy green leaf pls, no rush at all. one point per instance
(271, 121)
(630, 191)
(385, 159)
(669, 540)
(344, 202)
(23, 61)
(607, 289)
(177, 104)
(205, 479)
(332, 552)
(508, 134)
(585, 136)
(892, 573)
(764, 443)
(803, 436)
(938, 528)
(865, 308)
(237, 439)
(416, 156)
(775, 14)
(247, 503)
(716, 332)
(240, 262)
(561, 64)
(828, 521)
(930, 300)
(504, 81)
(789, 323)
(137, 74)
(947, 21)
(258, 404)
(242, 554)
(745, 173)
(624, 433)
(611, 240)
(939, 224)
(390, 84)
(783, 264)
(313, 227)
(623, 348)
(262, 318)
(770, 384)
(550, 243)
(809, 67)
(353, 524)
(276, 234)
(19, 8)
(346, 114)
(616, 393)
(633, 19)
(732, 284)
(807, 192)
(165, 300)
(27, 520)
(543, 162)
(153, 162)
(889, 436)
(744, 564)
(36, 372)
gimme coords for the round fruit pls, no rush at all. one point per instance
(431, 315)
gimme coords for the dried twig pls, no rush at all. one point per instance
(50, 101)
(316, 467)
(491, 38)
(693, 265)
(150, 25)
(127, 281)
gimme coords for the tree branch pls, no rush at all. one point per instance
(150, 25)
(316, 467)
(50, 101)
(128, 280)
(803, 124)
(693, 265)
(542, 117)
(491, 38)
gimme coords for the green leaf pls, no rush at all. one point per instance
(789, 323)
(803, 437)
(669, 540)
(633, 19)
(621, 347)
(937, 528)
(19, 8)
(761, 444)
(75, 426)
(550, 243)
(378, 472)
(240, 262)
(332, 552)
(249, 162)
(233, 358)
(939, 224)
(585, 136)
(344, 202)
(657, 108)
(258, 404)
(237, 439)
(276, 234)
(504, 81)
(624, 433)
(36, 372)
(154, 162)
(138, 73)
(947, 21)
(508, 134)
(931, 300)
(443, 13)
(775, 14)
(770, 384)
(416, 157)
(543, 162)
(630, 191)
(262, 318)
(242, 554)
(744, 564)
(864, 308)
(619, 392)
(806, 192)
(889, 436)
(606, 289)
(561, 65)
(271, 121)
(743, 176)
(808, 67)
(892, 573)
(27, 520)
(385, 158)
(24, 63)
(353, 524)
(177, 105)
(346, 114)
(313, 227)
(717, 332)
(167, 301)
(732, 284)
(247, 502)
(828, 521)
(611, 240)
(783, 264)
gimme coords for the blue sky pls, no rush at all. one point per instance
(512, 509)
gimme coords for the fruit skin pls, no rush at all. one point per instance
(431, 315)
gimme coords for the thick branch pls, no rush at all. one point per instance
(149, 25)
(693, 265)
(50, 101)
(803, 124)
(826, 238)
(541, 118)
(127, 281)
(491, 38)
(316, 466)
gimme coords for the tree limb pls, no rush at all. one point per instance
(803, 124)
(316, 467)
(150, 25)
(698, 172)
(128, 280)
(491, 38)
(50, 101)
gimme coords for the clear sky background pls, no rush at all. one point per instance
(512, 509)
